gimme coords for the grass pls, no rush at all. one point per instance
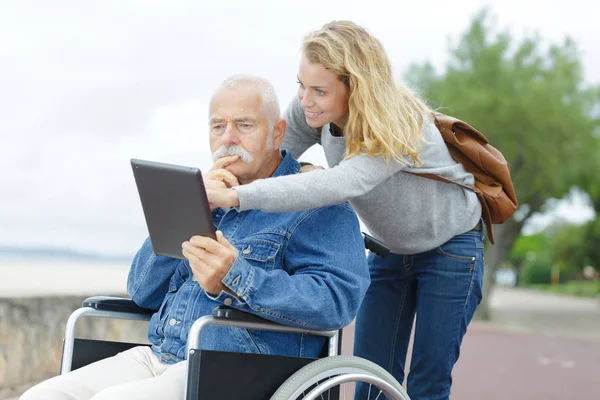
(571, 288)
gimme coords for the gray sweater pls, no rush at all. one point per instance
(411, 214)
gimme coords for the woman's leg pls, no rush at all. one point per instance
(385, 318)
(85, 382)
(449, 290)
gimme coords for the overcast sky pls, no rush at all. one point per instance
(85, 86)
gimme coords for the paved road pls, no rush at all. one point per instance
(541, 347)
(498, 364)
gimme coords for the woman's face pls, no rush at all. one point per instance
(324, 97)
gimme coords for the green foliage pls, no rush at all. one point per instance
(530, 248)
(566, 247)
(532, 103)
(535, 272)
(575, 246)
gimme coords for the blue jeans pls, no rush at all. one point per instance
(443, 288)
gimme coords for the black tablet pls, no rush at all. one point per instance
(174, 203)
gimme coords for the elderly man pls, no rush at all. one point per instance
(305, 269)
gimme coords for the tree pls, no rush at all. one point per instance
(533, 105)
(575, 247)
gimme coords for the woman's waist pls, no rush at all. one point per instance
(413, 227)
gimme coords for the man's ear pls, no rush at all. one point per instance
(279, 132)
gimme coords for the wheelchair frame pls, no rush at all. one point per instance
(121, 308)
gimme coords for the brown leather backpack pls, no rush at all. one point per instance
(493, 184)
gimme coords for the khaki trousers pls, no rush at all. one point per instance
(134, 374)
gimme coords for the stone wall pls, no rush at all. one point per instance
(32, 331)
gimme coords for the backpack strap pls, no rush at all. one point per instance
(443, 179)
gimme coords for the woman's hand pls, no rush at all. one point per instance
(307, 167)
(220, 195)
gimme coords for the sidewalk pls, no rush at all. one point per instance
(546, 313)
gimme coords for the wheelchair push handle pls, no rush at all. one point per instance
(376, 246)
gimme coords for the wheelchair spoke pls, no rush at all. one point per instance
(381, 391)
(369, 395)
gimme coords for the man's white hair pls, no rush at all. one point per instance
(270, 103)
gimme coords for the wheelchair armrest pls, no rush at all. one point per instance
(233, 315)
(115, 304)
(376, 246)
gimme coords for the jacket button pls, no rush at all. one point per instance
(172, 322)
(227, 301)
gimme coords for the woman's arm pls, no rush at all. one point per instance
(351, 178)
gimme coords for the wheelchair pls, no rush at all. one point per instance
(226, 375)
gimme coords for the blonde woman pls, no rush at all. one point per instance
(373, 132)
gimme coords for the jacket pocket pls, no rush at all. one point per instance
(258, 252)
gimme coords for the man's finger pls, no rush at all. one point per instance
(224, 161)
(199, 268)
(200, 254)
(214, 184)
(224, 176)
(221, 239)
(210, 245)
(197, 251)
(191, 257)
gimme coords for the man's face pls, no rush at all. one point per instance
(236, 120)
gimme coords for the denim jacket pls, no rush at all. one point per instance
(305, 269)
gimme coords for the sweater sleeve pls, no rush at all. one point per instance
(351, 178)
(299, 137)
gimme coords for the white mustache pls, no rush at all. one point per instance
(234, 150)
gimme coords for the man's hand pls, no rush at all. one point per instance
(219, 173)
(210, 260)
(218, 183)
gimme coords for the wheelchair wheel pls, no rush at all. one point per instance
(315, 380)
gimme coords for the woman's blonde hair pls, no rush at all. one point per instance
(385, 118)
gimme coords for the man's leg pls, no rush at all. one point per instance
(85, 382)
(449, 290)
(169, 385)
(385, 319)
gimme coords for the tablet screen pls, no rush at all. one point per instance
(174, 203)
